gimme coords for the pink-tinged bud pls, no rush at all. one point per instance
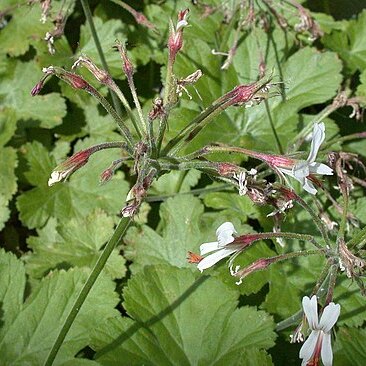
(37, 88)
(75, 81)
(288, 194)
(258, 265)
(175, 41)
(227, 169)
(69, 166)
(106, 176)
(241, 94)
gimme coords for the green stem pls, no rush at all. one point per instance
(113, 241)
(194, 192)
(125, 103)
(89, 18)
(332, 281)
(318, 222)
(270, 120)
(357, 239)
(166, 104)
(295, 318)
(124, 129)
(137, 102)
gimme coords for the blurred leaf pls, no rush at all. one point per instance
(182, 320)
(23, 29)
(15, 90)
(349, 348)
(43, 313)
(73, 243)
(350, 43)
(78, 197)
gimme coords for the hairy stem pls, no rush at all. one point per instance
(89, 18)
(113, 241)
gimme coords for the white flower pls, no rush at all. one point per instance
(224, 237)
(303, 168)
(319, 341)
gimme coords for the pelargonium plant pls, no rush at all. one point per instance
(283, 180)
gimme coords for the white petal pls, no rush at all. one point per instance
(301, 170)
(326, 351)
(286, 171)
(55, 178)
(308, 347)
(225, 233)
(310, 307)
(319, 168)
(316, 140)
(212, 259)
(309, 186)
(209, 247)
(329, 317)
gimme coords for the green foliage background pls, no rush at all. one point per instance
(150, 306)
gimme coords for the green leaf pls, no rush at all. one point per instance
(107, 32)
(15, 91)
(181, 320)
(12, 284)
(8, 179)
(232, 204)
(23, 29)
(180, 233)
(8, 162)
(78, 197)
(176, 182)
(8, 125)
(349, 348)
(350, 43)
(73, 243)
(43, 313)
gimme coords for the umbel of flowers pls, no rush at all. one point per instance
(150, 155)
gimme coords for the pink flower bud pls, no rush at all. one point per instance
(106, 176)
(69, 166)
(37, 88)
(175, 41)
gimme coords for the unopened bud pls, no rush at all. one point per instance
(175, 41)
(69, 166)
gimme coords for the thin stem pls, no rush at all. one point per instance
(137, 102)
(89, 18)
(124, 129)
(270, 120)
(194, 192)
(168, 89)
(295, 318)
(125, 103)
(113, 241)
(357, 239)
(332, 282)
(318, 222)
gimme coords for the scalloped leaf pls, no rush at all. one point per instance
(182, 321)
(41, 316)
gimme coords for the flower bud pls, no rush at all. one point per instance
(175, 41)
(69, 166)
